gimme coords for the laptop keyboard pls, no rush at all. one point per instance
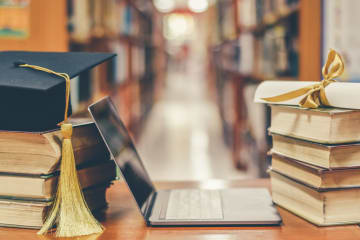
(194, 204)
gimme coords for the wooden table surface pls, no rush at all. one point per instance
(123, 221)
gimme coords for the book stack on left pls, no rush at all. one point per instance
(29, 170)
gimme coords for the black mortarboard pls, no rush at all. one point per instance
(33, 100)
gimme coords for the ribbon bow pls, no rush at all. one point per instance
(314, 95)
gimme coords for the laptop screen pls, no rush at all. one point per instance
(123, 151)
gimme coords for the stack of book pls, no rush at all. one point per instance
(29, 170)
(315, 169)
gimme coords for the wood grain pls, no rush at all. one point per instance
(123, 221)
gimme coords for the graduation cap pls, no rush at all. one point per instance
(35, 94)
(33, 100)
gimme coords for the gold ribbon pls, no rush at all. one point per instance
(314, 95)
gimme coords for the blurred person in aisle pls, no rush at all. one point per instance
(182, 57)
(179, 57)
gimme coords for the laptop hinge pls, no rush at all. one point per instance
(150, 205)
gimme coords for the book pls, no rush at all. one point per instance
(322, 155)
(80, 20)
(31, 214)
(43, 187)
(226, 19)
(247, 10)
(320, 178)
(246, 55)
(322, 125)
(40, 152)
(336, 207)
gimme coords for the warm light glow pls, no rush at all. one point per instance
(164, 5)
(198, 5)
(178, 26)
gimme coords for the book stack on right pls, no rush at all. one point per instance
(315, 169)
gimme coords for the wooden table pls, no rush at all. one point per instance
(123, 221)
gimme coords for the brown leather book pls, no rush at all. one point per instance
(322, 155)
(31, 214)
(43, 187)
(332, 207)
(322, 125)
(320, 178)
(40, 152)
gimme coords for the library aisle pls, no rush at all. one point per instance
(182, 138)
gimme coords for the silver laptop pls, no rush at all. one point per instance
(178, 207)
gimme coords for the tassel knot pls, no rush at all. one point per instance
(66, 130)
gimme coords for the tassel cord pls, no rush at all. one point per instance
(69, 211)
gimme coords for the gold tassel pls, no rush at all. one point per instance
(69, 211)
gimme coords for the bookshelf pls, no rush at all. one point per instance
(134, 78)
(260, 40)
(130, 28)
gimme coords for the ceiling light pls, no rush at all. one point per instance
(198, 5)
(164, 6)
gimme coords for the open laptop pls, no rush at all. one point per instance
(178, 207)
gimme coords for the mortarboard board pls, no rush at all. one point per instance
(33, 100)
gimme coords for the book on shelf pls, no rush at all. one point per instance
(323, 155)
(226, 19)
(40, 152)
(258, 60)
(136, 105)
(246, 55)
(274, 48)
(74, 93)
(79, 20)
(247, 13)
(43, 187)
(278, 50)
(138, 61)
(121, 62)
(268, 11)
(230, 56)
(24, 213)
(331, 207)
(97, 19)
(322, 125)
(319, 178)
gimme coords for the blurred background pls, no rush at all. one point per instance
(186, 70)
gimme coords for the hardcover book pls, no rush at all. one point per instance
(323, 125)
(43, 187)
(320, 178)
(323, 155)
(31, 214)
(335, 207)
(40, 152)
